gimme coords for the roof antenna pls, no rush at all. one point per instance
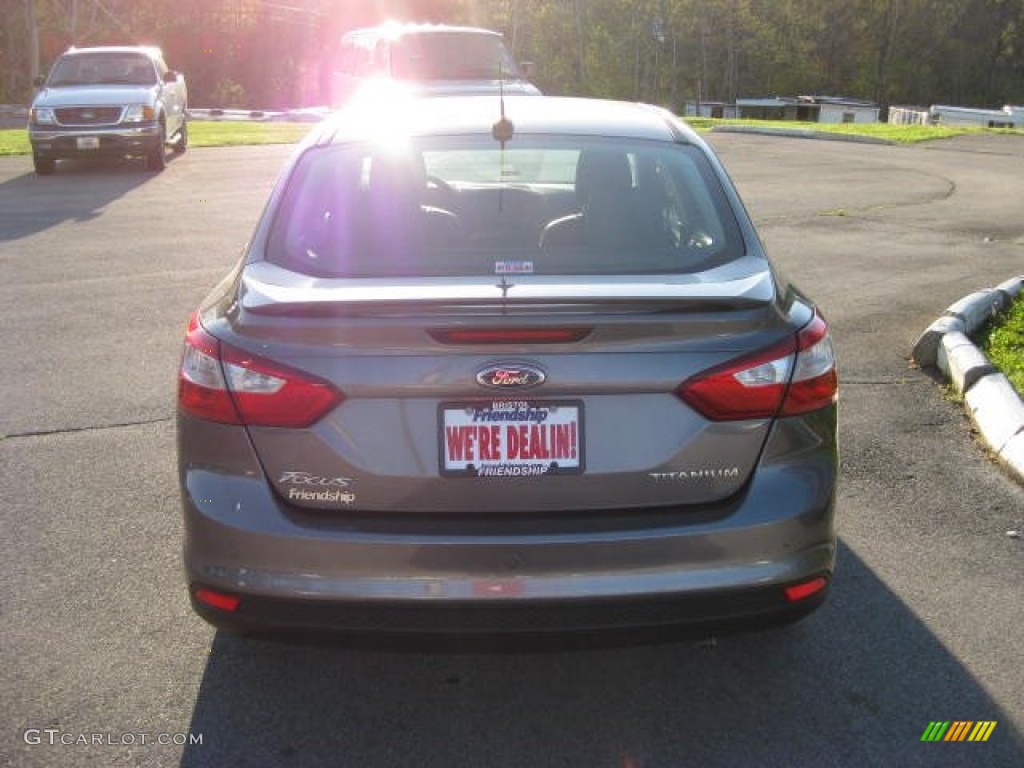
(502, 131)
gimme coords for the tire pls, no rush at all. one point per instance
(182, 143)
(156, 158)
(45, 166)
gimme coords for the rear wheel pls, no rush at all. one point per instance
(44, 165)
(156, 159)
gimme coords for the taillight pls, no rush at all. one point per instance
(217, 382)
(202, 391)
(222, 601)
(805, 589)
(815, 380)
(795, 376)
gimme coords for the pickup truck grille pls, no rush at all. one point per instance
(89, 115)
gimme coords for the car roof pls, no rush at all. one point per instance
(395, 30)
(149, 50)
(467, 115)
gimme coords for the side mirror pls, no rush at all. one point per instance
(170, 76)
(528, 68)
(38, 81)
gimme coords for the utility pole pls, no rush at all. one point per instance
(32, 29)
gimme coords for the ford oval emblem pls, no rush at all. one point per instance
(510, 376)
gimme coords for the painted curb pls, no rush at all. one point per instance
(926, 348)
(991, 401)
(996, 410)
(962, 362)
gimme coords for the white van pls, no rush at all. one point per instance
(427, 59)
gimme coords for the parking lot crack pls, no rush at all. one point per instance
(881, 381)
(88, 428)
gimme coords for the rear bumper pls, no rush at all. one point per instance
(500, 575)
(117, 141)
(752, 608)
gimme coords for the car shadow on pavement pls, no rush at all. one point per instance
(28, 202)
(855, 684)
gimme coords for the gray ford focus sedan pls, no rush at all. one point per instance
(506, 367)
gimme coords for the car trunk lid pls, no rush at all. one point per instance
(581, 411)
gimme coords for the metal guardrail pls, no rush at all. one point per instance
(306, 115)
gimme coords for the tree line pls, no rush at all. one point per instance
(278, 53)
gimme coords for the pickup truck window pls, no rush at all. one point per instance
(103, 69)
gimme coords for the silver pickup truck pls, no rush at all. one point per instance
(108, 101)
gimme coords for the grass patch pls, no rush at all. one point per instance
(201, 133)
(213, 133)
(952, 395)
(1003, 344)
(14, 141)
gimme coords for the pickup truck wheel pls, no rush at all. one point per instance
(44, 165)
(182, 143)
(156, 159)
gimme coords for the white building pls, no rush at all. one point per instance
(1007, 117)
(715, 109)
(812, 109)
(841, 110)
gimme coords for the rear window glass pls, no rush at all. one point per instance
(455, 206)
(450, 56)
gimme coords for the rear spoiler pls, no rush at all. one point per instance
(269, 290)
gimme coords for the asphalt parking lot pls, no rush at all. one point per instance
(104, 664)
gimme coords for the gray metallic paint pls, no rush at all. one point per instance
(628, 529)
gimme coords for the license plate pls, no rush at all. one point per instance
(511, 438)
(88, 142)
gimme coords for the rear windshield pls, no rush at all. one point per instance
(103, 68)
(546, 205)
(451, 56)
